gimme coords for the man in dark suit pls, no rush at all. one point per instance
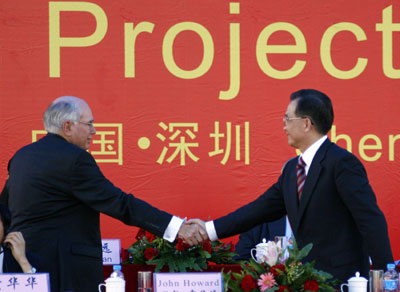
(254, 236)
(56, 193)
(336, 209)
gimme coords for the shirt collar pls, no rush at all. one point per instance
(309, 154)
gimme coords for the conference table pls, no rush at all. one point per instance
(130, 272)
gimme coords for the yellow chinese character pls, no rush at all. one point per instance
(217, 136)
(37, 134)
(107, 143)
(182, 147)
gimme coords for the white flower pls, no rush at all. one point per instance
(270, 253)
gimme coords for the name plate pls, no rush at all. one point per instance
(111, 251)
(25, 282)
(188, 282)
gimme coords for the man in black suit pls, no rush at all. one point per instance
(254, 236)
(56, 193)
(336, 209)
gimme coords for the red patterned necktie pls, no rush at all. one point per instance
(301, 176)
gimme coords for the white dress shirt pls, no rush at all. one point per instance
(173, 228)
(310, 152)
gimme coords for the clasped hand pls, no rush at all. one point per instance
(193, 232)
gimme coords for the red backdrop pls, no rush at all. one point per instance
(188, 96)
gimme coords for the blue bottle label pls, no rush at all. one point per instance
(390, 284)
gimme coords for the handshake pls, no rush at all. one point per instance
(193, 232)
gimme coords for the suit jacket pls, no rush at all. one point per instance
(254, 236)
(10, 265)
(337, 213)
(56, 193)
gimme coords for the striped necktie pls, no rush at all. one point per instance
(301, 176)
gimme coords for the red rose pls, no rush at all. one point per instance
(150, 236)
(248, 283)
(150, 253)
(311, 285)
(181, 246)
(284, 289)
(207, 246)
(141, 232)
(124, 255)
(277, 270)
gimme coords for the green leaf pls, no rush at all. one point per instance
(160, 263)
(305, 250)
(172, 266)
(204, 254)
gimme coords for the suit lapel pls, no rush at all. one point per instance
(312, 178)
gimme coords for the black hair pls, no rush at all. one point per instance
(315, 105)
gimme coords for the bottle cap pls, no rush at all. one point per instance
(117, 268)
(391, 266)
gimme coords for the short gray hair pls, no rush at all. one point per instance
(64, 108)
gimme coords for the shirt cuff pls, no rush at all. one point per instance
(212, 233)
(173, 228)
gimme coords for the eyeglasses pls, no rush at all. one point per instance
(90, 124)
(287, 119)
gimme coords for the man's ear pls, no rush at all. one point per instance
(67, 128)
(308, 124)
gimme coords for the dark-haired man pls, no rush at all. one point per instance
(325, 193)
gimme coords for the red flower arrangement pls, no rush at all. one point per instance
(150, 253)
(311, 285)
(279, 274)
(277, 270)
(181, 246)
(248, 283)
(177, 256)
(207, 246)
(283, 288)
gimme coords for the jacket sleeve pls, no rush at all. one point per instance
(268, 207)
(93, 189)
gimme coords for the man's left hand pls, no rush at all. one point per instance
(192, 234)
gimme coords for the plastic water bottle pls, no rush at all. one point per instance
(391, 279)
(116, 282)
(117, 273)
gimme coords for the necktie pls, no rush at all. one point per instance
(301, 176)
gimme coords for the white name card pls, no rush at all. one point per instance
(188, 282)
(111, 251)
(25, 282)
